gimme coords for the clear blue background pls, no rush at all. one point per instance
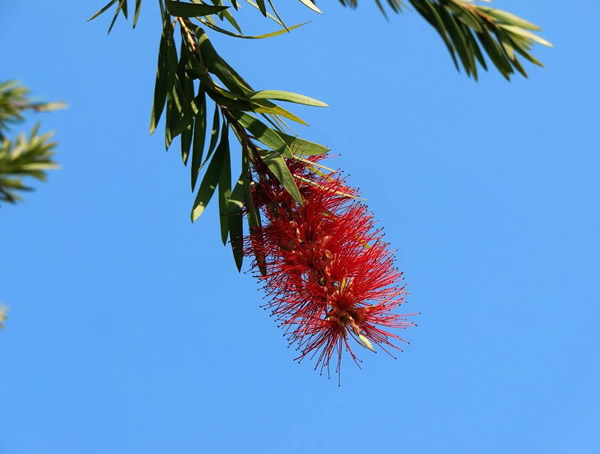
(130, 330)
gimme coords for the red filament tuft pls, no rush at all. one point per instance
(329, 274)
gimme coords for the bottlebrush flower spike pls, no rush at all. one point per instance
(329, 274)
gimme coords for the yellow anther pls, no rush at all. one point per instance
(3, 310)
(366, 342)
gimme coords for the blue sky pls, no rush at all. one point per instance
(131, 331)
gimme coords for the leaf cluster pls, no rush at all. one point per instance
(192, 80)
(470, 30)
(24, 156)
(121, 9)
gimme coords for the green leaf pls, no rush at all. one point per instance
(508, 18)
(136, 15)
(186, 122)
(267, 35)
(238, 194)
(208, 185)
(174, 102)
(199, 137)
(229, 17)
(311, 5)
(522, 50)
(267, 107)
(226, 99)
(276, 164)
(430, 12)
(466, 16)
(224, 183)
(103, 10)
(269, 15)
(219, 67)
(303, 147)
(259, 130)
(236, 203)
(214, 135)
(458, 39)
(48, 106)
(181, 9)
(255, 226)
(253, 214)
(122, 7)
(526, 34)
(262, 7)
(236, 234)
(287, 96)
(495, 53)
(186, 143)
(279, 19)
(276, 139)
(160, 86)
(476, 50)
(506, 45)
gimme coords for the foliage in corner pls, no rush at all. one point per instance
(25, 156)
(469, 31)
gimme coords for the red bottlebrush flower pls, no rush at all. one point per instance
(329, 274)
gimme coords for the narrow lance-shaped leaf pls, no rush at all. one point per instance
(526, 34)
(219, 67)
(186, 122)
(208, 185)
(174, 93)
(254, 222)
(214, 135)
(122, 7)
(259, 130)
(509, 18)
(262, 7)
(303, 147)
(311, 5)
(267, 107)
(236, 203)
(199, 137)
(160, 86)
(103, 10)
(269, 15)
(229, 18)
(264, 36)
(181, 9)
(276, 139)
(136, 14)
(224, 183)
(276, 164)
(287, 96)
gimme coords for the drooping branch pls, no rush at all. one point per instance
(470, 30)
